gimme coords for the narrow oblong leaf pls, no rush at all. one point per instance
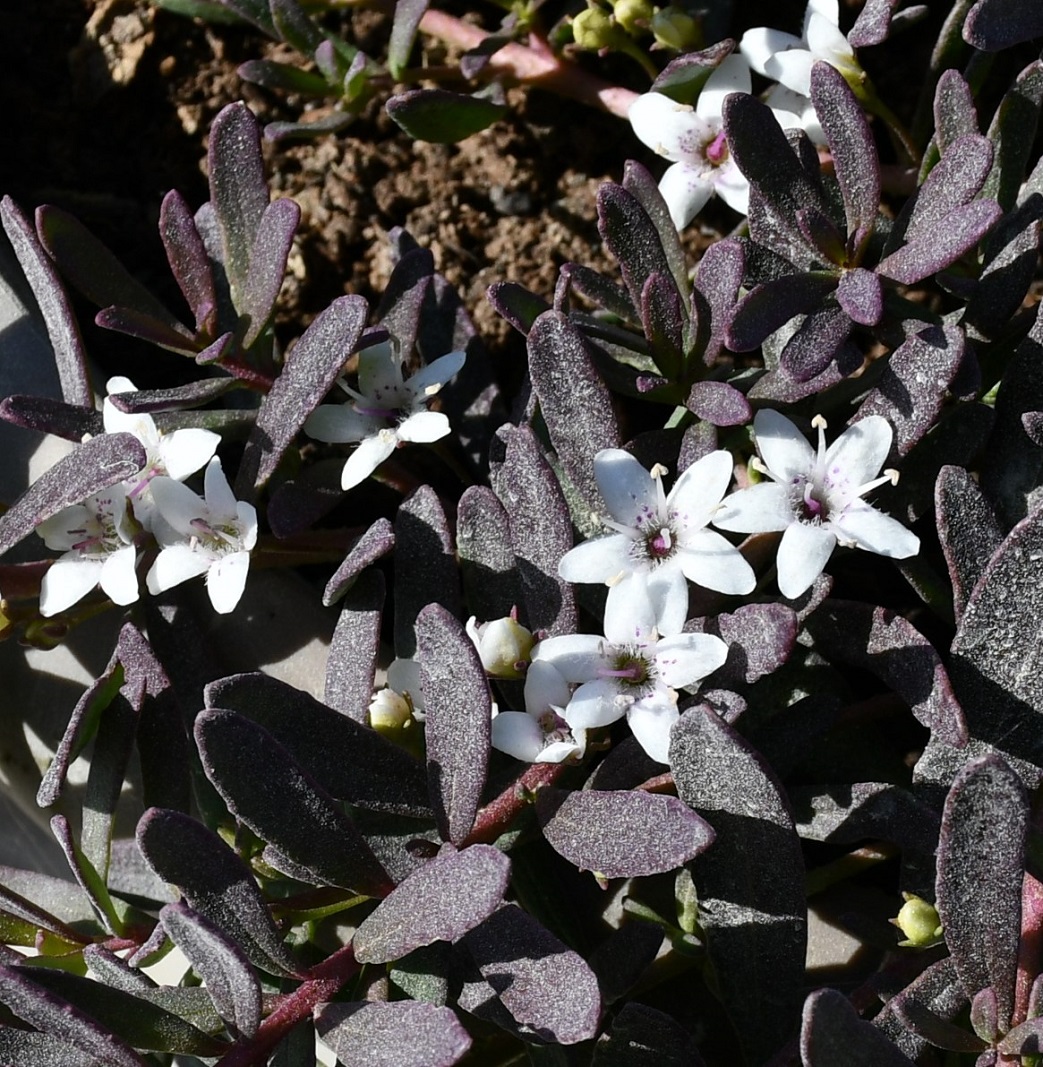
(483, 541)
(268, 255)
(664, 319)
(392, 1034)
(516, 304)
(216, 883)
(352, 661)
(350, 761)
(401, 306)
(47, 415)
(408, 14)
(458, 710)
(861, 296)
(574, 401)
(62, 328)
(638, 181)
(753, 913)
(981, 863)
(441, 116)
(818, 342)
(188, 260)
(936, 987)
(220, 963)
(939, 1032)
(993, 25)
(721, 271)
(719, 403)
(146, 327)
(309, 372)
(459, 890)
(374, 544)
(684, 76)
(641, 1036)
(621, 834)
(177, 398)
(24, 1048)
(266, 790)
(1012, 131)
(832, 1035)
(768, 307)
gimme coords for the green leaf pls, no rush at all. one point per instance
(441, 116)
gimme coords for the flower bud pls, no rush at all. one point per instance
(389, 711)
(632, 15)
(504, 646)
(919, 921)
(594, 29)
(676, 30)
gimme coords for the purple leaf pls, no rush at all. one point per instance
(402, 304)
(598, 290)
(459, 890)
(684, 76)
(968, 531)
(768, 307)
(549, 991)
(62, 328)
(541, 533)
(294, 26)
(220, 963)
(483, 540)
(873, 25)
(720, 276)
(914, 385)
(954, 235)
(936, 987)
(851, 143)
(993, 25)
(819, 340)
(1026, 1039)
(46, 415)
(271, 249)
(574, 401)
(624, 834)
(665, 322)
(146, 327)
(719, 403)
(392, 1034)
(954, 113)
(1012, 132)
(760, 638)
(347, 759)
(981, 860)
(640, 184)
(753, 913)
(832, 1035)
(25, 1048)
(352, 660)
(640, 1036)
(939, 1032)
(458, 709)
(425, 570)
(408, 14)
(95, 465)
(623, 957)
(822, 234)
(887, 644)
(516, 304)
(265, 789)
(188, 260)
(861, 296)
(190, 395)
(215, 882)
(238, 191)
(374, 544)
(309, 372)
(46, 903)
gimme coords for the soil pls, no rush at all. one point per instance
(108, 104)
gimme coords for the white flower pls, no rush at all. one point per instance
(816, 497)
(631, 671)
(795, 112)
(788, 59)
(384, 411)
(503, 646)
(693, 139)
(212, 537)
(173, 455)
(540, 734)
(661, 540)
(97, 539)
(403, 683)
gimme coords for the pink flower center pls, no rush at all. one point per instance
(717, 150)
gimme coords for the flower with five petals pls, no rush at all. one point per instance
(540, 734)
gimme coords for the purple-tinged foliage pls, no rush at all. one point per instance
(993, 25)
(937, 988)
(352, 660)
(374, 544)
(458, 889)
(487, 564)
(46, 415)
(935, 1030)
(639, 1033)
(392, 1034)
(188, 260)
(832, 1035)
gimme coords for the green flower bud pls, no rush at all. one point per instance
(594, 29)
(389, 711)
(919, 921)
(632, 15)
(504, 646)
(676, 30)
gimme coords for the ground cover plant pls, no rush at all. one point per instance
(699, 596)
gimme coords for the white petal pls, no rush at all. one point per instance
(517, 734)
(558, 751)
(118, 579)
(651, 720)
(380, 374)
(597, 560)
(731, 186)
(630, 617)
(629, 491)
(697, 493)
(183, 452)
(64, 529)
(404, 677)
(782, 447)
(176, 564)
(685, 659)
(246, 516)
(856, 457)
(732, 76)
(827, 43)
(430, 378)
(670, 129)
(578, 657)
(340, 424)
(142, 426)
(686, 187)
(668, 593)
(367, 457)
(761, 508)
(794, 111)
(760, 44)
(828, 9)
(597, 703)
(177, 504)
(423, 427)
(867, 528)
(226, 580)
(220, 500)
(792, 69)
(119, 384)
(803, 552)
(67, 581)
(545, 687)
(714, 563)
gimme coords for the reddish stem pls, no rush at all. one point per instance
(1030, 950)
(324, 981)
(496, 817)
(534, 65)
